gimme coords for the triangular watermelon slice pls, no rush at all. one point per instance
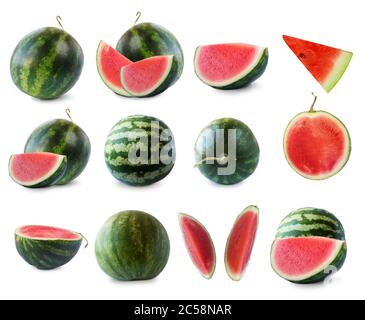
(109, 63)
(326, 64)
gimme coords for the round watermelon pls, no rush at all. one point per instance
(132, 245)
(227, 151)
(62, 137)
(140, 150)
(47, 63)
(147, 40)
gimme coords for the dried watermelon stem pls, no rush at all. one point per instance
(87, 241)
(59, 20)
(68, 112)
(314, 103)
(138, 15)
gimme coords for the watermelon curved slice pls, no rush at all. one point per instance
(240, 242)
(317, 145)
(109, 63)
(326, 64)
(199, 245)
(307, 259)
(37, 170)
(230, 66)
(148, 77)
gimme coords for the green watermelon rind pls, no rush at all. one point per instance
(53, 177)
(164, 83)
(116, 90)
(347, 155)
(47, 254)
(254, 71)
(336, 261)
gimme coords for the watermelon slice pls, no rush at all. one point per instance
(230, 66)
(317, 145)
(37, 170)
(148, 77)
(109, 63)
(240, 243)
(307, 259)
(199, 245)
(326, 64)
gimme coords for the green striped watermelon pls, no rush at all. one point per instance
(62, 137)
(140, 150)
(147, 40)
(227, 151)
(45, 247)
(47, 63)
(310, 245)
(132, 245)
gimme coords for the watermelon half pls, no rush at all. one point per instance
(230, 66)
(109, 63)
(240, 243)
(46, 247)
(199, 245)
(36, 170)
(148, 77)
(307, 259)
(326, 64)
(317, 145)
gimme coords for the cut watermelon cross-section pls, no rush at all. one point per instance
(326, 64)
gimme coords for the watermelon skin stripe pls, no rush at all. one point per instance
(47, 63)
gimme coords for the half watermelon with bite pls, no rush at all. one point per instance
(230, 66)
(37, 170)
(109, 62)
(47, 248)
(148, 77)
(326, 64)
(199, 245)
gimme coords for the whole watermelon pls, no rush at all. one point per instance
(132, 245)
(227, 151)
(47, 63)
(62, 137)
(140, 150)
(146, 40)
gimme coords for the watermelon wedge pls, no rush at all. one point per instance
(199, 245)
(240, 243)
(307, 259)
(230, 66)
(148, 77)
(37, 170)
(109, 63)
(326, 64)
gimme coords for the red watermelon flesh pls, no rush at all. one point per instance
(44, 232)
(317, 145)
(144, 77)
(199, 245)
(326, 64)
(300, 258)
(110, 62)
(240, 243)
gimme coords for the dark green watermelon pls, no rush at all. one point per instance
(62, 137)
(146, 40)
(227, 151)
(132, 245)
(134, 156)
(47, 63)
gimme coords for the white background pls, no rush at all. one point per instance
(267, 106)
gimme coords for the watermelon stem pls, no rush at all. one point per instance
(138, 15)
(314, 102)
(68, 112)
(59, 20)
(87, 241)
(222, 160)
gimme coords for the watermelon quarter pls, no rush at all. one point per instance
(37, 170)
(109, 63)
(199, 245)
(240, 242)
(148, 77)
(45, 247)
(326, 64)
(132, 245)
(317, 145)
(230, 66)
